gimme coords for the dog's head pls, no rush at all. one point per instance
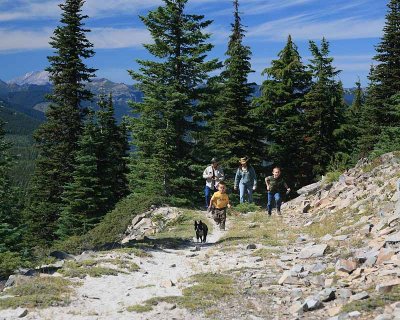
(198, 226)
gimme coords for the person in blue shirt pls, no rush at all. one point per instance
(245, 180)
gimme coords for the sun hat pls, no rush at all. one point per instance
(244, 160)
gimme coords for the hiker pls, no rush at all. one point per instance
(213, 174)
(218, 204)
(245, 179)
(276, 185)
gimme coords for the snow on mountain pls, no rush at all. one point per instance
(39, 78)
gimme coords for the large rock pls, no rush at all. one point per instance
(312, 303)
(314, 251)
(327, 294)
(393, 238)
(310, 189)
(385, 254)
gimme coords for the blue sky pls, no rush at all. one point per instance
(353, 28)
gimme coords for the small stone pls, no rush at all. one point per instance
(287, 278)
(286, 258)
(313, 251)
(327, 238)
(327, 294)
(385, 254)
(387, 286)
(167, 284)
(359, 296)
(354, 314)
(173, 265)
(318, 267)
(297, 308)
(344, 265)
(251, 246)
(334, 311)
(395, 238)
(296, 293)
(297, 269)
(344, 293)
(329, 282)
(313, 303)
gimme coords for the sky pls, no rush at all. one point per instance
(353, 29)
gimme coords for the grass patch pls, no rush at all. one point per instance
(332, 176)
(264, 253)
(138, 308)
(328, 225)
(73, 269)
(123, 264)
(40, 292)
(242, 229)
(374, 302)
(246, 207)
(207, 290)
(135, 251)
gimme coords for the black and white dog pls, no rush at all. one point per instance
(201, 230)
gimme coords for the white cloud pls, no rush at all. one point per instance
(102, 38)
(303, 27)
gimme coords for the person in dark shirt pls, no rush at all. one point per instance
(276, 185)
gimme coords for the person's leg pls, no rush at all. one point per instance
(278, 202)
(223, 219)
(269, 205)
(207, 192)
(241, 192)
(250, 193)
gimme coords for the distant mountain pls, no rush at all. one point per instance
(40, 78)
(27, 94)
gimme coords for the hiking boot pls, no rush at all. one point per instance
(269, 212)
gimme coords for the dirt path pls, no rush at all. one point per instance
(160, 275)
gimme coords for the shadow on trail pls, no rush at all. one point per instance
(151, 244)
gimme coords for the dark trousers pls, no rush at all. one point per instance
(219, 216)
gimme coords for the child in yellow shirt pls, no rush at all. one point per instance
(218, 204)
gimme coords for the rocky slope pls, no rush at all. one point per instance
(333, 254)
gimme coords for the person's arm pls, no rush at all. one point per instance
(221, 175)
(211, 201)
(229, 204)
(267, 180)
(206, 175)
(287, 187)
(254, 177)
(237, 178)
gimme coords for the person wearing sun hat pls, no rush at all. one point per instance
(213, 175)
(245, 180)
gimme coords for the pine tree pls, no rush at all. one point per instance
(381, 112)
(323, 109)
(164, 133)
(83, 198)
(57, 138)
(112, 154)
(232, 129)
(10, 220)
(280, 113)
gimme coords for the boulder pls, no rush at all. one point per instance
(251, 246)
(385, 254)
(393, 238)
(310, 189)
(287, 278)
(359, 296)
(313, 303)
(314, 251)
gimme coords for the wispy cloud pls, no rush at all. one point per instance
(303, 27)
(31, 10)
(102, 38)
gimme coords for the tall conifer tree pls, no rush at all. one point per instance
(112, 154)
(280, 114)
(323, 108)
(57, 138)
(233, 131)
(83, 198)
(163, 134)
(382, 111)
(10, 220)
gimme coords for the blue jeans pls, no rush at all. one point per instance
(208, 193)
(274, 197)
(245, 188)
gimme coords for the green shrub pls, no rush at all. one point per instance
(9, 261)
(389, 141)
(332, 176)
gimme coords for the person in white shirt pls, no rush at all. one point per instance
(213, 175)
